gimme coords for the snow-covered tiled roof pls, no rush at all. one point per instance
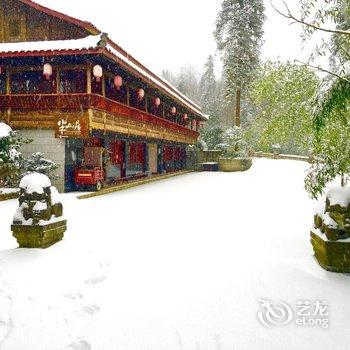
(92, 42)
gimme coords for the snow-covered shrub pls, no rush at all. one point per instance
(10, 157)
(234, 145)
(37, 163)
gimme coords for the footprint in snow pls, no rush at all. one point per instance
(5, 318)
(104, 263)
(91, 309)
(96, 280)
(74, 295)
(80, 345)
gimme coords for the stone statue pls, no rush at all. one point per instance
(330, 235)
(38, 221)
(334, 222)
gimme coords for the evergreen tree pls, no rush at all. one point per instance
(169, 76)
(210, 102)
(38, 164)
(188, 82)
(10, 158)
(208, 87)
(239, 31)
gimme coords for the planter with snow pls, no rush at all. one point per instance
(330, 235)
(235, 164)
(38, 222)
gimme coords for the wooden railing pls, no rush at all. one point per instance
(77, 102)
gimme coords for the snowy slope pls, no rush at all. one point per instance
(175, 265)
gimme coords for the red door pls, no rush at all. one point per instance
(118, 156)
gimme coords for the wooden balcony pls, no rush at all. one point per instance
(82, 102)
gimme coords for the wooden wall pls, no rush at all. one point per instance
(19, 22)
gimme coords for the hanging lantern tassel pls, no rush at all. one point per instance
(47, 71)
(141, 94)
(118, 82)
(98, 72)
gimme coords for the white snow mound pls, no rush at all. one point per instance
(339, 195)
(35, 183)
(5, 130)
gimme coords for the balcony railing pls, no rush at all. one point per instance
(78, 102)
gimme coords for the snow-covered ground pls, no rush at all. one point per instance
(176, 265)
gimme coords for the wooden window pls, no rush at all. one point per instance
(32, 83)
(14, 28)
(73, 81)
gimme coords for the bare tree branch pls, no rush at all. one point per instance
(323, 70)
(290, 16)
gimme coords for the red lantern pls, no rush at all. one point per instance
(98, 72)
(157, 101)
(118, 82)
(141, 94)
(47, 70)
(173, 110)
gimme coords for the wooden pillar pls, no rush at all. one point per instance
(8, 92)
(88, 79)
(58, 80)
(103, 83)
(8, 81)
(237, 121)
(146, 104)
(127, 94)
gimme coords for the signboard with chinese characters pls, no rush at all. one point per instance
(71, 126)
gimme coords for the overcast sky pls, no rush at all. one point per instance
(170, 34)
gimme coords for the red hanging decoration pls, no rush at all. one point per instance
(118, 82)
(157, 101)
(47, 70)
(141, 94)
(97, 72)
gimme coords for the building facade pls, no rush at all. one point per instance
(85, 102)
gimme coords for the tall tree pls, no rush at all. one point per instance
(208, 87)
(210, 102)
(238, 33)
(188, 82)
(332, 102)
(282, 95)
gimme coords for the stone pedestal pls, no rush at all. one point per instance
(331, 255)
(39, 236)
(234, 164)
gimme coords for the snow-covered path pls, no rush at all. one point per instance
(174, 265)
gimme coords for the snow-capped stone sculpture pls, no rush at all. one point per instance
(330, 235)
(38, 221)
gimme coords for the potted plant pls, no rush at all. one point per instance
(234, 151)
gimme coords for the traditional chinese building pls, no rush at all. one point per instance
(84, 101)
